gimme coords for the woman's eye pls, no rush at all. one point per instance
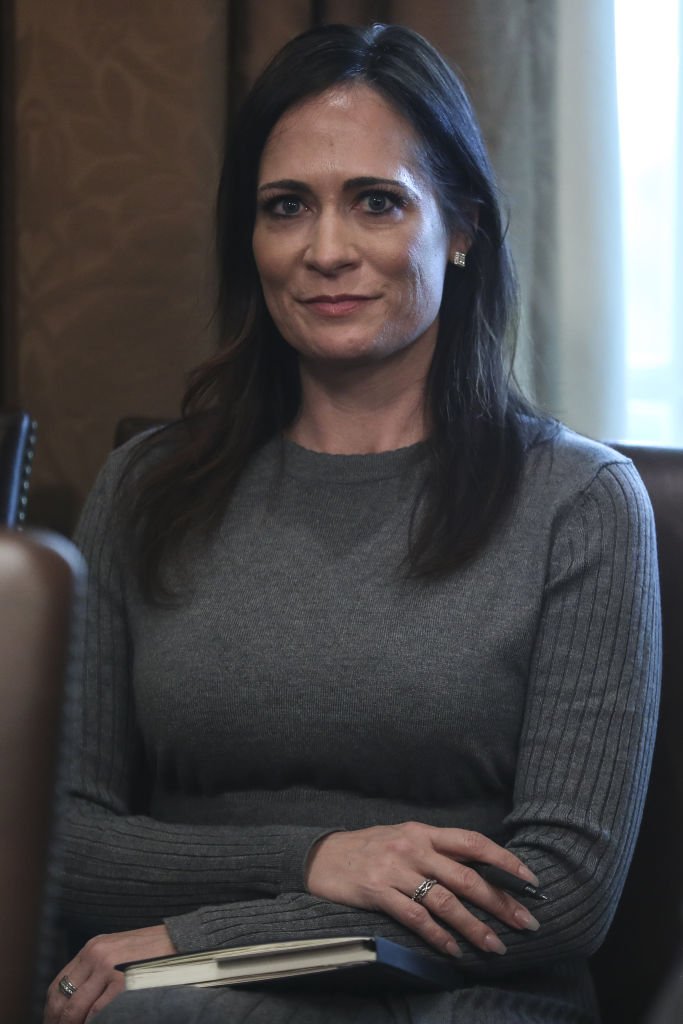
(285, 206)
(380, 202)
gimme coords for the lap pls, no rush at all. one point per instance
(232, 1006)
(241, 1006)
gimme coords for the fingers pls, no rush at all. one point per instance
(464, 845)
(89, 998)
(418, 919)
(62, 1008)
(442, 906)
(380, 868)
(112, 989)
(93, 980)
(448, 907)
(411, 838)
(457, 882)
(466, 883)
(91, 989)
(445, 906)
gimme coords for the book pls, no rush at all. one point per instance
(363, 962)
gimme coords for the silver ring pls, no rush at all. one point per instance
(422, 889)
(66, 986)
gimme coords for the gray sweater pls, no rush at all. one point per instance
(304, 685)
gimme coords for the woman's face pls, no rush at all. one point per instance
(349, 240)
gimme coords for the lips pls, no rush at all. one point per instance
(337, 305)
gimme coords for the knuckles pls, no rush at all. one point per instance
(442, 901)
(469, 882)
(407, 838)
(413, 828)
(400, 846)
(415, 915)
(473, 842)
(99, 951)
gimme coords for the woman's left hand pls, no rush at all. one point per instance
(92, 976)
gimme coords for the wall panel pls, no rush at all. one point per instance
(120, 107)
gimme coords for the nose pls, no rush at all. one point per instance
(330, 247)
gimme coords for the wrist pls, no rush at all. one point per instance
(313, 858)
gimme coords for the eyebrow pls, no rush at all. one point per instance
(351, 183)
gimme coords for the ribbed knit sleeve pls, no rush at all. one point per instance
(123, 870)
(584, 750)
(591, 713)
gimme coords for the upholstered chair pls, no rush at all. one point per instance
(644, 944)
(41, 593)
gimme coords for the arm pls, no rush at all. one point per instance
(584, 751)
(122, 870)
(591, 712)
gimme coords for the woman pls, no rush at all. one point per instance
(370, 619)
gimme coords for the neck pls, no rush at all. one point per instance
(359, 410)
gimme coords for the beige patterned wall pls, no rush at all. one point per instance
(119, 121)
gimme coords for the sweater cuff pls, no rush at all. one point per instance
(188, 932)
(295, 857)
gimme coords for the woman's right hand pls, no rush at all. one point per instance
(380, 868)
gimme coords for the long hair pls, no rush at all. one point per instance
(249, 390)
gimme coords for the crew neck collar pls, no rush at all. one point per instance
(305, 463)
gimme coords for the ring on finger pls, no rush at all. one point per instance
(66, 986)
(422, 889)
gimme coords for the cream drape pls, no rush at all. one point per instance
(587, 386)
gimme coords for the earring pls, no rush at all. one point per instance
(459, 259)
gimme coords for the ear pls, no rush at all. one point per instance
(461, 240)
(460, 243)
(459, 247)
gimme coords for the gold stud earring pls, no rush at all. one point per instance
(459, 259)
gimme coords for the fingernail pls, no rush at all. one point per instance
(526, 920)
(494, 945)
(453, 948)
(528, 875)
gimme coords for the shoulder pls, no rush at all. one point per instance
(114, 485)
(136, 456)
(566, 474)
(569, 463)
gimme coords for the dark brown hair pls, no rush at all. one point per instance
(249, 390)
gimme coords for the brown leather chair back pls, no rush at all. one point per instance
(645, 938)
(41, 580)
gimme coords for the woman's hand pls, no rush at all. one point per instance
(380, 868)
(92, 976)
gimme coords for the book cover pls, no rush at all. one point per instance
(357, 961)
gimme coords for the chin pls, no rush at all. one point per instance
(348, 355)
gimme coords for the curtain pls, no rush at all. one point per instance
(650, 95)
(586, 357)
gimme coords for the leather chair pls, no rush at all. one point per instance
(17, 442)
(645, 939)
(41, 592)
